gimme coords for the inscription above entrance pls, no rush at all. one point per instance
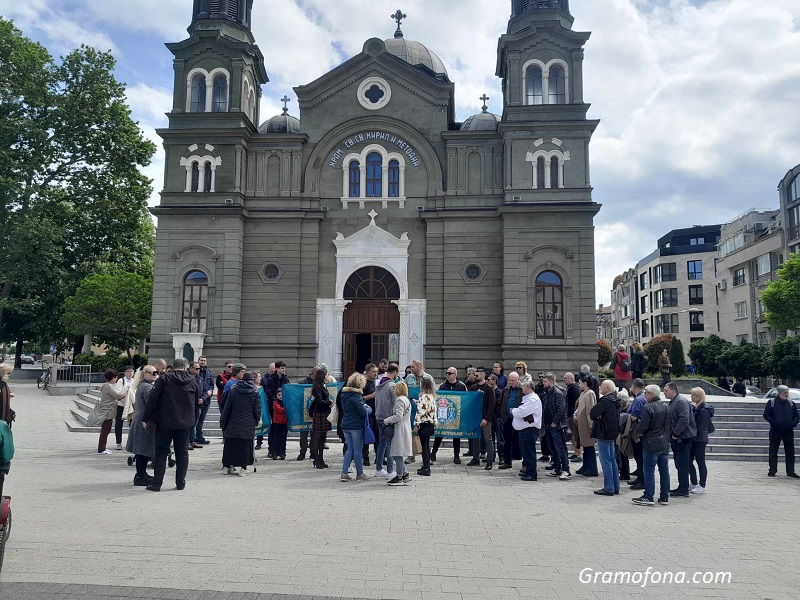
(372, 136)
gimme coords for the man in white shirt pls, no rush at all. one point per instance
(528, 422)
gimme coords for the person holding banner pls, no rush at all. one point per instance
(451, 384)
(527, 422)
(320, 409)
(354, 412)
(425, 422)
(401, 440)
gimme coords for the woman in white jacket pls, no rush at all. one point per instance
(528, 421)
(401, 440)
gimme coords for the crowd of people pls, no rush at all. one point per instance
(607, 422)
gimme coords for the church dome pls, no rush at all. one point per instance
(483, 121)
(284, 123)
(415, 54)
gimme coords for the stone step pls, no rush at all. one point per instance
(743, 440)
(738, 448)
(749, 457)
(739, 417)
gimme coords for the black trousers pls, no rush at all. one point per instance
(775, 439)
(512, 448)
(437, 442)
(118, 424)
(680, 456)
(318, 447)
(545, 443)
(425, 433)
(697, 454)
(638, 454)
(303, 443)
(281, 430)
(176, 437)
(141, 466)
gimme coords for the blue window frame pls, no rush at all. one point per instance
(355, 179)
(394, 179)
(374, 175)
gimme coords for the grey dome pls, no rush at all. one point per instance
(415, 53)
(284, 123)
(483, 121)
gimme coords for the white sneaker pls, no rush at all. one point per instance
(381, 473)
(106, 451)
(243, 473)
(234, 470)
(698, 490)
(119, 446)
(565, 476)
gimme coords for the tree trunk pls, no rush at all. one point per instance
(5, 294)
(18, 354)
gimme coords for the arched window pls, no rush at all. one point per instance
(371, 283)
(374, 175)
(540, 174)
(534, 92)
(198, 93)
(555, 171)
(549, 305)
(355, 179)
(251, 105)
(557, 85)
(207, 178)
(219, 98)
(195, 302)
(394, 179)
(195, 176)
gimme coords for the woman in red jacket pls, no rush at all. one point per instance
(280, 425)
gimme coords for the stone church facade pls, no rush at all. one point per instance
(376, 225)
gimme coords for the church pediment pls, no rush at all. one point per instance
(372, 241)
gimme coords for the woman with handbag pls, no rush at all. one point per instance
(320, 409)
(401, 440)
(6, 414)
(425, 422)
(586, 402)
(142, 442)
(106, 408)
(353, 413)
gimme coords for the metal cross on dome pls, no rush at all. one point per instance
(484, 98)
(285, 101)
(398, 16)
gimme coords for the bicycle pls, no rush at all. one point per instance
(44, 379)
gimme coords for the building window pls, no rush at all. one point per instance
(695, 294)
(370, 283)
(666, 298)
(665, 272)
(697, 241)
(764, 264)
(644, 281)
(355, 179)
(540, 175)
(695, 269)
(219, 99)
(195, 177)
(472, 272)
(557, 84)
(207, 177)
(549, 306)
(794, 222)
(738, 277)
(195, 302)
(534, 91)
(741, 310)
(645, 304)
(394, 179)
(555, 172)
(374, 175)
(645, 329)
(793, 190)
(696, 322)
(666, 323)
(198, 103)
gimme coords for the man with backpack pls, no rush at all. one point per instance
(782, 415)
(621, 365)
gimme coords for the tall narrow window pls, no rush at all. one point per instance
(207, 178)
(198, 93)
(355, 179)
(374, 175)
(394, 179)
(549, 306)
(195, 302)
(195, 176)
(534, 92)
(557, 85)
(219, 99)
(540, 166)
(554, 172)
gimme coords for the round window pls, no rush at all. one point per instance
(271, 271)
(374, 93)
(472, 272)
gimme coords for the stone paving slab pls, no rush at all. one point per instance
(82, 530)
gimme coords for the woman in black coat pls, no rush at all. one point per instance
(320, 409)
(238, 421)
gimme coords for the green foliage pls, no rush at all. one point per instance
(744, 361)
(676, 356)
(781, 298)
(114, 308)
(72, 199)
(783, 358)
(99, 364)
(654, 347)
(706, 355)
(604, 353)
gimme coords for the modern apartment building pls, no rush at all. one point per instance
(624, 322)
(789, 190)
(677, 286)
(749, 253)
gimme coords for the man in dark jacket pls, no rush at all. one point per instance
(171, 408)
(450, 384)
(205, 380)
(274, 382)
(510, 399)
(605, 428)
(654, 427)
(573, 393)
(487, 414)
(683, 432)
(554, 420)
(782, 415)
(635, 412)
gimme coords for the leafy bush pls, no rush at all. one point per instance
(783, 359)
(706, 355)
(604, 353)
(676, 357)
(744, 361)
(99, 364)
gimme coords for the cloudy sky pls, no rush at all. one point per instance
(699, 100)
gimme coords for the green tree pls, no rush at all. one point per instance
(604, 353)
(781, 298)
(744, 361)
(676, 357)
(114, 308)
(783, 358)
(73, 200)
(655, 347)
(706, 355)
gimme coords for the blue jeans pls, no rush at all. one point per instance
(650, 462)
(608, 459)
(558, 447)
(401, 466)
(354, 438)
(527, 439)
(680, 454)
(383, 449)
(200, 420)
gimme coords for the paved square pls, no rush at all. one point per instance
(293, 531)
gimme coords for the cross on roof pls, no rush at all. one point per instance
(398, 16)
(484, 98)
(285, 101)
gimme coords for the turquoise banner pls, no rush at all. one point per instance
(297, 399)
(266, 422)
